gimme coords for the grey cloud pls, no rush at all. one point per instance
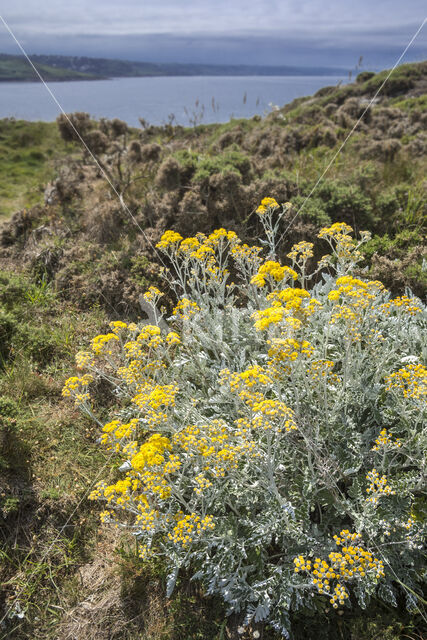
(264, 32)
(205, 16)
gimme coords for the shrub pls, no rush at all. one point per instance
(270, 438)
(346, 202)
(230, 161)
(151, 152)
(71, 124)
(312, 209)
(135, 151)
(96, 141)
(7, 329)
(364, 75)
(8, 413)
(118, 127)
(169, 176)
(8, 408)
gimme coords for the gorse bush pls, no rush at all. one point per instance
(270, 431)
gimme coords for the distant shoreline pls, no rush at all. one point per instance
(71, 68)
(48, 80)
(195, 75)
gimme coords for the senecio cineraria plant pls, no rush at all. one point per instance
(271, 436)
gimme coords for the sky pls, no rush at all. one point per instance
(265, 32)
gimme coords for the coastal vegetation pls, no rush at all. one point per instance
(76, 264)
(249, 426)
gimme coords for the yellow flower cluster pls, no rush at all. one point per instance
(72, 384)
(345, 248)
(355, 296)
(189, 527)
(185, 308)
(385, 441)
(269, 413)
(188, 245)
(325, 261)
(156, 395)
(266, 317)
(351, 563)
(215, 273)
(219, 445)
(149, 331)
(105, 515)
(352, 320)
(219, 235)
(292, 298)
(151, 452)
(409, 306)
(411, 381)
(275, 271)
(150, 465)
(155, 483)
(155, 418)
(117, 326)
(136, 371)
(99, 342)
(146, 519)
(150, 335)
(301, 251)
(266, 203)
(322, 369)
(84, 359)
(168, 238)
(288, 349)
(247, 378)
(152, 295)
(81, 398)
(200, 247)
(143, 360)
(409, 523)
(266, 413)
(118, 493)
(116, 430)
(245, 253)
(204, 253)
(356, 289)
(378, 486)
(336, 230)
(202, 483)
(287, 305)
(173, 338)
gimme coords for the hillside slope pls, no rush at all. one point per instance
(17, 69)
(214, 175)
(77, 259)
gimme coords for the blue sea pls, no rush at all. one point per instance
(182, 100)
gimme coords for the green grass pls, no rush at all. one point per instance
(48, 454)
(29, 152)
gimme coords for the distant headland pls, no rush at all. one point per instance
(55, 68)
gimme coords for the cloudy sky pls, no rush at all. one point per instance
(273, 32)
